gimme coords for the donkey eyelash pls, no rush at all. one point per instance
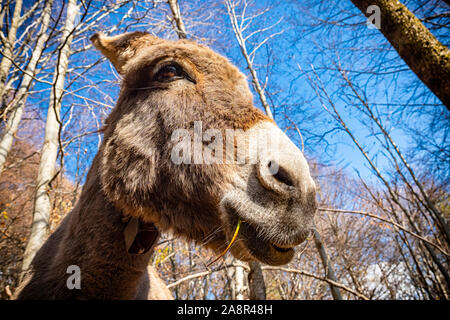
(145, 88)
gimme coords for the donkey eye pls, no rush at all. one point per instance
(168, 73)
(171, 72)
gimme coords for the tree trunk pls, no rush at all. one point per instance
(49, 152)
(176, 14)
(329, 272)
(239, 282)
(256, 283)
(8, 47)
(18, 104)
(416, 45)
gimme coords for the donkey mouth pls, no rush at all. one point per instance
(280, 249)
(264, 250)
(267, 250)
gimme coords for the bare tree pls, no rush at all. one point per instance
(176, 14)
(418, 47)
(17, 105)
(256, 282)
(8, 42)
(238, 29)
(49, 152)
(329, 270)
(239, 282)
(8, 45)
(404, 199)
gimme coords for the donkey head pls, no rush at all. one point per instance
(186, 149)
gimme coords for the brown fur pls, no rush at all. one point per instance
(133, 176)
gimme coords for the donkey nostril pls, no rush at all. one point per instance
(279, 173)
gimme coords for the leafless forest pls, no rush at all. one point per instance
(369, 107)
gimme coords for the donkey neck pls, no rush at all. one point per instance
(91, 237)
(108, 266)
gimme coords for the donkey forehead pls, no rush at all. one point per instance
(200, 58)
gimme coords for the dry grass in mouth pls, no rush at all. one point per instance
(229, 245)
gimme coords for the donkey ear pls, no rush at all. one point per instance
(119, 49)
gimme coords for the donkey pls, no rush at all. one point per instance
(137, 188)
